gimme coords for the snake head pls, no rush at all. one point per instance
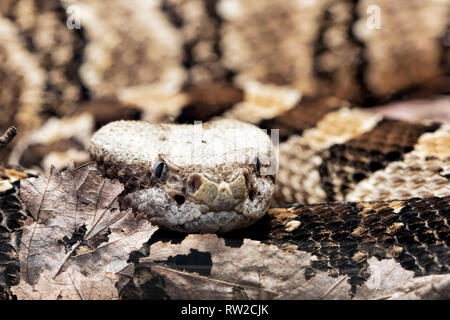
(213, 180)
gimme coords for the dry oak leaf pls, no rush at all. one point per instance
(253, 270)
(203, 266)
(77, 238)
(389, 280)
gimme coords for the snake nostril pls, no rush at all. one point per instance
(195, 183)
(251, 194)
(179, 199)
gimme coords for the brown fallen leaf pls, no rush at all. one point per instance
(71, 285)
(389, 280)
(78, 238)
(205, 267)
(208, 266)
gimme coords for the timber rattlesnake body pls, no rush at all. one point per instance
(376, 159)
(162, 57)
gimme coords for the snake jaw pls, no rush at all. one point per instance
(214, 207)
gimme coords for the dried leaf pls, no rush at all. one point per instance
(389, 280)
(70, 285)
(78, 237)
(210, 267)
(251, 271)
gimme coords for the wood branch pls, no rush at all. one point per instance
(7, 136)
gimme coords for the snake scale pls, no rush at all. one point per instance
(350, 185)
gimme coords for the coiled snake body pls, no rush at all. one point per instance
(347, 154)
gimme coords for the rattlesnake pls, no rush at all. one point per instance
(158, 159)
(347, 154)
(390, 178)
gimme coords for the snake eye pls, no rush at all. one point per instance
(257, 163)
(159, 169)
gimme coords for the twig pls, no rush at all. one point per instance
(334, 286)
(7, 137)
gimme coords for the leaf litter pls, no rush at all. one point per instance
(76, 239)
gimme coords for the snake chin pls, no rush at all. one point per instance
(212, 215)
